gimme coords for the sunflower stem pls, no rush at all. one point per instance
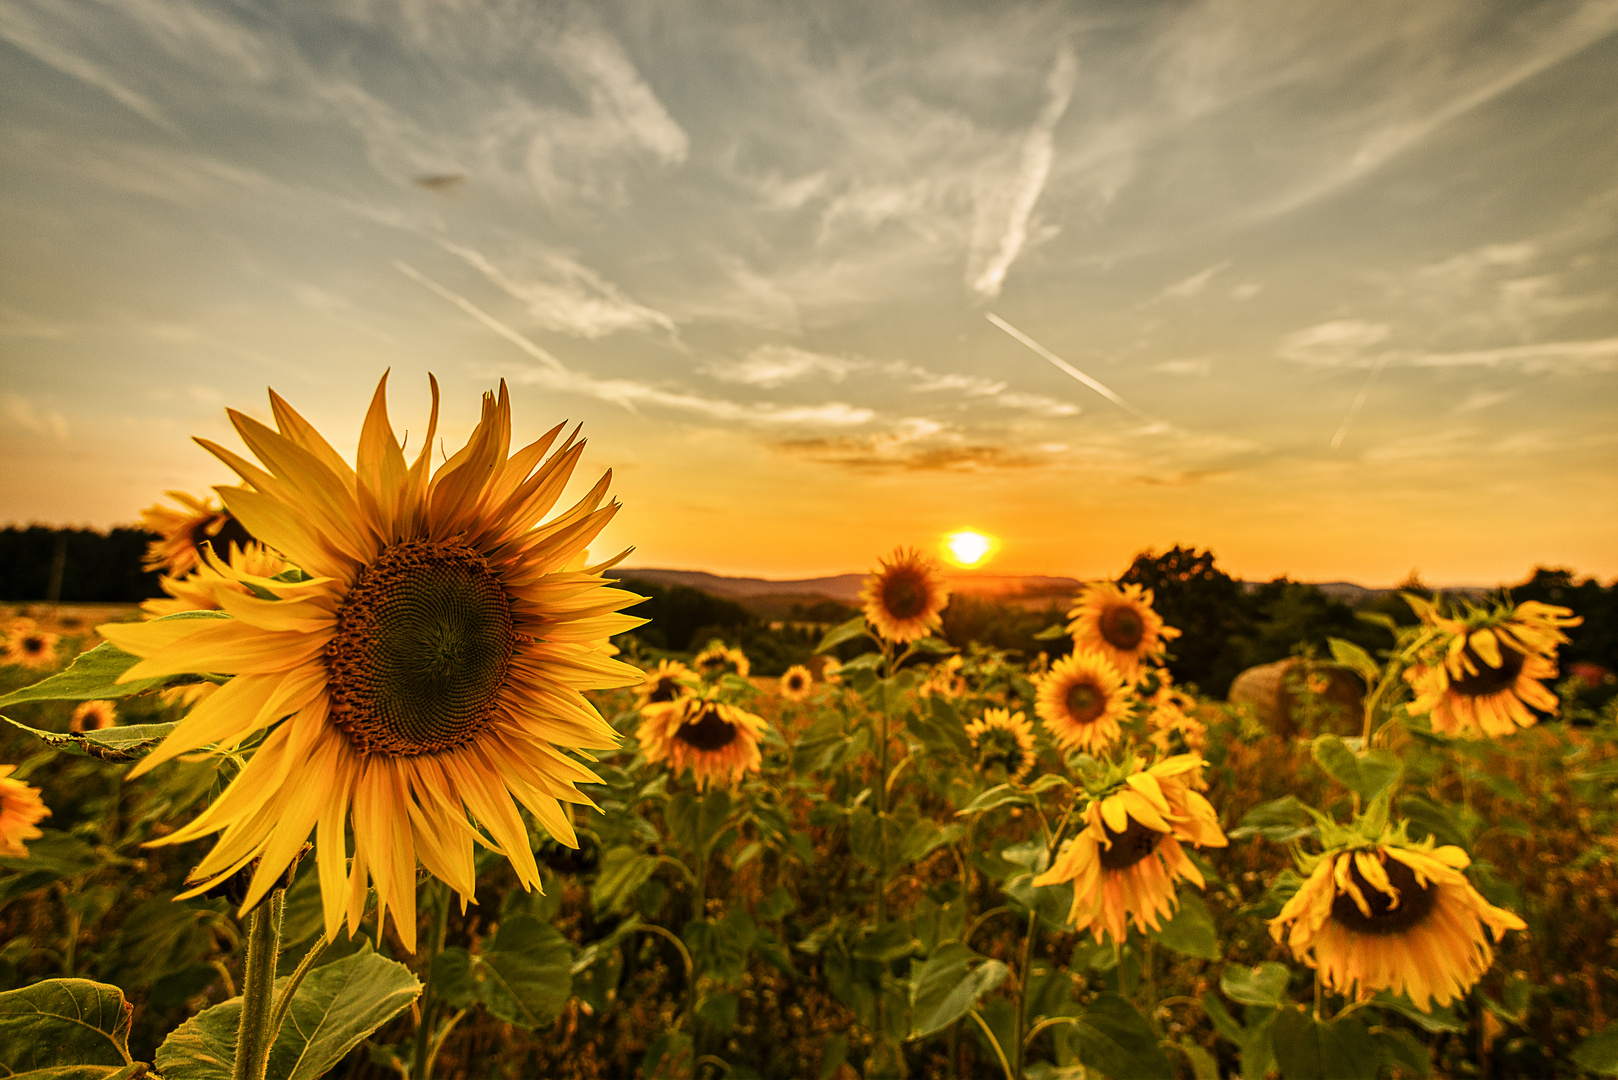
(283, 999)
(253, 1036)
(1022, 994)
(422, 1067)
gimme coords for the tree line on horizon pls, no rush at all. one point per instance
(1228, 625)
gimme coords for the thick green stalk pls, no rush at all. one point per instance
(1022, 994)
(253, 1036)
(422, 1067)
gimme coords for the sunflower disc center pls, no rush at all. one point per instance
(709, 731)
(904, 594)
(1130, 846)
(1122, 627)
(1085, 703)
(1413, 904)
(667, 689)
(1489, 680)
(424, 640)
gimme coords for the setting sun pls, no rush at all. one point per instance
(968, 548)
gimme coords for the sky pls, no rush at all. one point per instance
(1329, 289)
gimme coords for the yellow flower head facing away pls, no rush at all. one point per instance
(717, 742)
(21, 809)
(1126, 860)
(423, 681)
(1003, 740)
(720, 659)
(199, 590)
(904, 599)
(1396, 918)
(945, 680)
(796, 683)
(1481, 675)
(184, 533)
(1082, 699)
(669, 681)
(1119, 623)
(31, 647)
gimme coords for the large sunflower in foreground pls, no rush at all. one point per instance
(1120, 624)
(20, 810)
(1081, 699)
(1124, 864)
(1005, 740)
(904, 598)
(420, 683)
(183, 532)
(717, 742)
(1393, 916)
(1480, 673)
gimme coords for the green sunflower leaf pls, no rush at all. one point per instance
(945, 986)
(1355, 658)
(93, 675)
(1191, 931)
(1599, 1053)
(1369, 773)
(1307, 1049)
(334, 1009)
(524, 977)
(1114, 1038)
(64, 1022)
(1262, 985)
(848, 631)
(128, 743)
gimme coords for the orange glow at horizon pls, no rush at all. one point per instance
(968, 548)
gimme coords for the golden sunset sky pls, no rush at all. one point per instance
(1348, 273)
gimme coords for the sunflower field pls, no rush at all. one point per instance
(386, 785)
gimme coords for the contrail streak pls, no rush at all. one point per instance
(481, 316)
(1354, 409)
(1067, 367)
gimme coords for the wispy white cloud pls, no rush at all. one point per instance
(1195, 285)
(1338, 343)
(31, 416)
(769, 366)
(1198, 366)
(1568, 357)
(1001, 227)
(1480, 399)
(44, 40)
(571, 298)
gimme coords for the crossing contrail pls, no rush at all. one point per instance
(1067, 367)
(1354, 409)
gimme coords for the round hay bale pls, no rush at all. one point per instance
(1302, 697)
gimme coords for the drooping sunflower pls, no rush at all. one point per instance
(1120, 624)
(31, 647)
(183, 533)
(1003, 740)
(1393, 916)
(1172, 721)
(664, 684)
(1125, 862)
(93, 716)
(796, 683)
(904, 598)
(716, 741)
(21, 809)
(1081, 700)
(1480, 673)
(421, 682)
(199, 590)
(720, 659)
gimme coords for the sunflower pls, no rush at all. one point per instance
(796, 683)
(945, 680)
(1082, 699)
(904, 598)
(1479, 674)
(1393, 916)
(1125, 862)
(31, 647)
(425, 676)
(93, 716)
(20, 808)
(1172, 721)
(719, 659)
(1005, 740)
(183, 533)
(668, 682)
(714, 740)
(1120, 624)
(198, 590)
